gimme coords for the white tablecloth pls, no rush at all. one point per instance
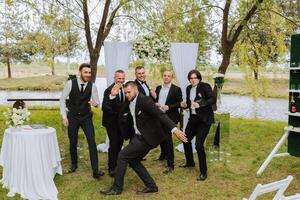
(30, 160)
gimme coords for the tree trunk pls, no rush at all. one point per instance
(93, 62)
(52, 65)
(225, 61)
(8, 67)
(255, 75)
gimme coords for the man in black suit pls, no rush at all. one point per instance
(168, 99)
(110, 119)
(199, 101)
(143, 87)
(77, 113)
(145, 120)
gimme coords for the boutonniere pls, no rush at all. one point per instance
(199, 95)
(139, 112)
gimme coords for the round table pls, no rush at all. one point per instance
(30, 159)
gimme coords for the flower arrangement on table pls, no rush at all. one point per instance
(219, 82)
(17, 115)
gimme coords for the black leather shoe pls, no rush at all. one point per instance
(187, 165)
(111, 191)
(201, 177)
(72, 168)
(111, 173)
(168, 170)
(147, 190)
(97, 174)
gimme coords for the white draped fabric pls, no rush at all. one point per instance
(183, 58)
(117, 56)
(30, 159)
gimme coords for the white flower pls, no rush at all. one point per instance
(16, 117)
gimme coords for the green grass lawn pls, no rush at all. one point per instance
(251, 141)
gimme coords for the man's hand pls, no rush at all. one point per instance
(153, 94)
(195, 105)
(157, 105)
(181, 136)
(93, 103)
(115, 90)
(66, 122)
(165, 108)
(183, 104)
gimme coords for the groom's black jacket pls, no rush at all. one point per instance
(150, 121)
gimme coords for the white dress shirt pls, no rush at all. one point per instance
(132, 106)
(192, 98)
(163, 94)
(146, 89)
(67, 90)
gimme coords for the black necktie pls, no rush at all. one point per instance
(121, 95)
(81, 90)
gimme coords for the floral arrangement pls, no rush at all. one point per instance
(219, 79)
(219, 82)
(16, 117)
(153, 49)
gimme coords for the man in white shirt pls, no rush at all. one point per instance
(77, 113)
(168, 98)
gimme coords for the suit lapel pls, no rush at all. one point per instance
(169, 93)
(137, 106)
(158, 91)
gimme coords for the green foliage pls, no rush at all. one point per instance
(13, 34)
(56, 38)
(264, 40)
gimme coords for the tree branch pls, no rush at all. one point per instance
(224, 38)
(285, 17)
(87, 27)
(102, 25)
(248, 16)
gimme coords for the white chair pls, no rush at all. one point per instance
(294, 197)
(281, 186)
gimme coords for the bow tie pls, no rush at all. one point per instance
(143, 82)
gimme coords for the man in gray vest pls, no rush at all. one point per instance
(77, 113)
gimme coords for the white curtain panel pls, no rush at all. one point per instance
(184, 58)
(117, 56)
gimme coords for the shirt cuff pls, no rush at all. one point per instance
(111, 97)
(173, 130)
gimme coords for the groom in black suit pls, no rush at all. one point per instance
(168, 99)
(141, 121)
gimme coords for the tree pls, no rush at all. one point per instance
(13, 45)
(56, 38)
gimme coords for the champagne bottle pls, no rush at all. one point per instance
(293, 105)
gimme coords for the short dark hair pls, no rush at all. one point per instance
(83, 65)
(196, 72)
(139, 67)
(130, 83)
(120, 71)
(19, 104)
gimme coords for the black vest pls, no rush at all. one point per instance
(78, 103)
